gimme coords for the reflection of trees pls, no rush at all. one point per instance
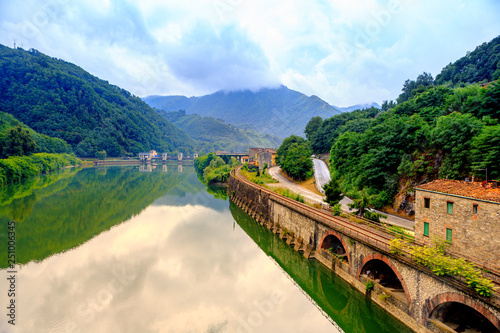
(219, 192)
(349, 308)
(17, 200)
(92, 202)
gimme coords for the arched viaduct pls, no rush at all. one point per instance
(412, 293)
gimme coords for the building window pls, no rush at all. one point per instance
(449, 207)
(427, 203)
(449, 235)
(474, 209)
(426, 229)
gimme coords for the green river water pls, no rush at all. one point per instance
(116, 249)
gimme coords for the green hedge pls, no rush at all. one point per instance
(15, 169)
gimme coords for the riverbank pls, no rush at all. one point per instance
(17, 168)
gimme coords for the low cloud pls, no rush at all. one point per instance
(343, 52)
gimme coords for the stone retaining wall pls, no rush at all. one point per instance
(305, 232)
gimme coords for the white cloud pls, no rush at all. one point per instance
(346, 52)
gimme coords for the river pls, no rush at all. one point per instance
(118, 250)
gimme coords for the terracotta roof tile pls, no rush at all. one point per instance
(473, 190)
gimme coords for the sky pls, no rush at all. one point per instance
(345, 52)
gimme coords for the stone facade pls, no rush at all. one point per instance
(474, 224)
(264, 158)
(257, 156)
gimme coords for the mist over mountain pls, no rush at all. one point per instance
(280, 111)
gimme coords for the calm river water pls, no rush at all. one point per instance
(118, 250)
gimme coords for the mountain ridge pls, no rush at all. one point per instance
(275, 111)
(60, 99)
(215, 134)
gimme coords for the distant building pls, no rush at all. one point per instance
(148, 155)
(467, 214)
(260, 156)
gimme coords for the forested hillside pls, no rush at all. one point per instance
(59, 99)
(480, 65)
(434, 131)
(42, 143)
(280, 112)
(321, 133)
(215, 134)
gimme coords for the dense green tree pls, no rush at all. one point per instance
(486, 152)
(282, 151)
(298, 163)
(333, 192)
(490, 103)
(202, 162)
(412, 88)
(331, 128)
(213, 169)
(312, 127)
(361, 202)
(387, 105)
(17, 142)
(480, 65)
(101, 155)
(453, 135)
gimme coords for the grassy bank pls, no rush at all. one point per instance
(253, 176)
(16, 169)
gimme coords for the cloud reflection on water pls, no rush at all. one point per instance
(168, 269)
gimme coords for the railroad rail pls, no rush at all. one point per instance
(362, 233)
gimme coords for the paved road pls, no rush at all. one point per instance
(275, 172)
(321, 174)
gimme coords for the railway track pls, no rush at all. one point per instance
(362, 233)
(366, 234)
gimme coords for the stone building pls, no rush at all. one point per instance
(259, 156)
(467, 214)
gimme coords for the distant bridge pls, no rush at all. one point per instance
(240, 157)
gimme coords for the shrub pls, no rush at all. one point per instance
(441, 264)
(337, 209)
(16, 169)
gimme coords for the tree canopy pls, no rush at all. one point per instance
(295, 158)
(17, 142)
(480, 65)
(17, 139)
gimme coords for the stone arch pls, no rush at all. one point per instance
(441, 299)
(381, 257)
(336, 235)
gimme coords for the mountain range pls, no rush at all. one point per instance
(275, 111)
